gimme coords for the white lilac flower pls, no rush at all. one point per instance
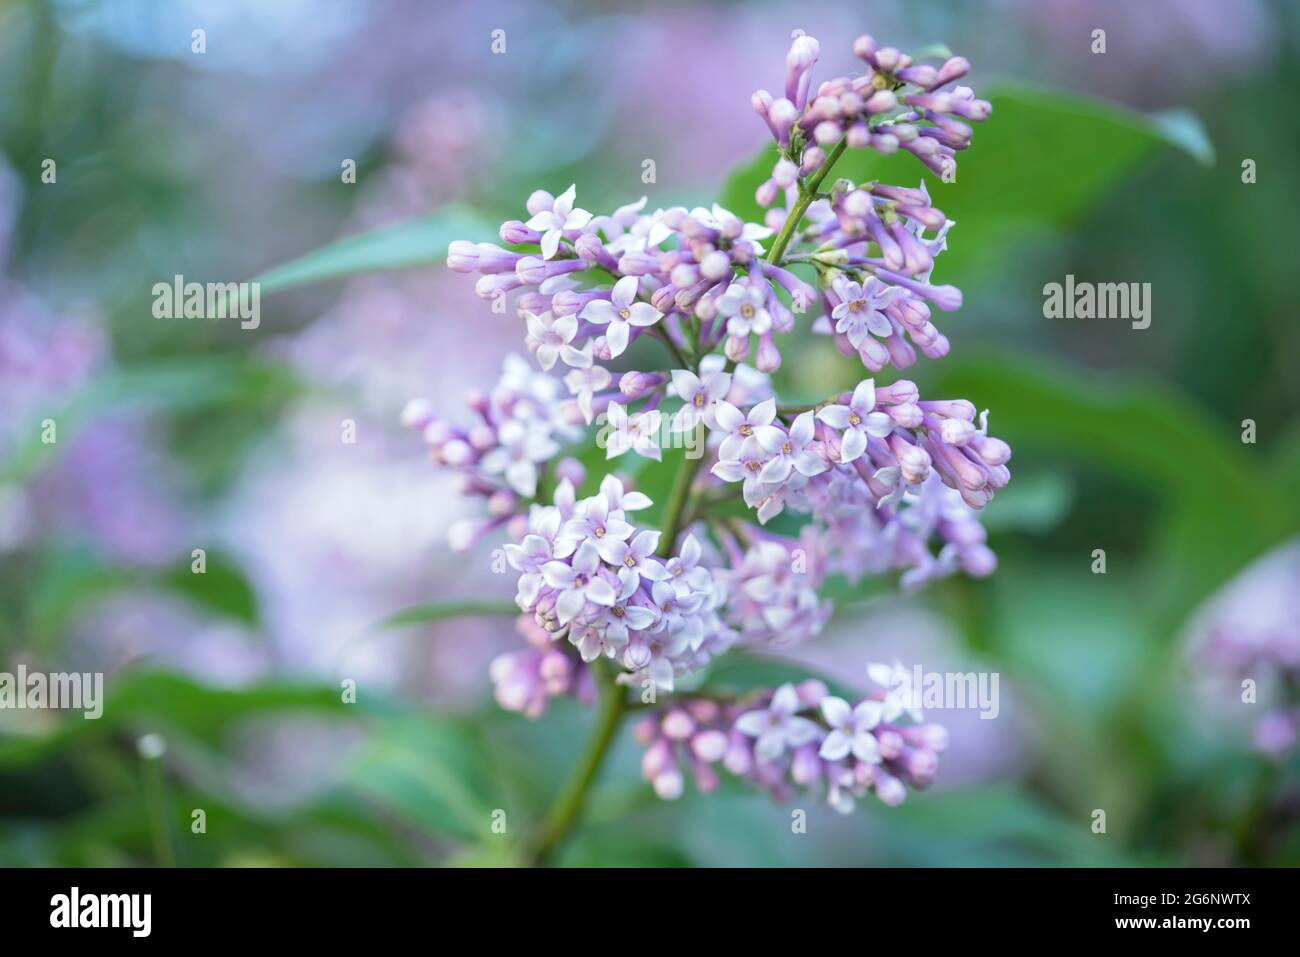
(633, 559)
(528, 557)
(792, 451)
(900, 697)
(551, 337)
(699, 397)
(620, 314)
(858, 419)
(578, 582)
(850, 730)
(620, 499)
(553, 223)
(517, 455)
(746, 467)
(584, 383)
(596, 522)
(777, 727)
(738, 427)
(684, 570)
(745, 307)
(862, 308)
(637, 433)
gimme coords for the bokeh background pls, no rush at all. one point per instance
(1120, 691)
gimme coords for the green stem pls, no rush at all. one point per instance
(807, 193)
(675, 508)
(568, 806)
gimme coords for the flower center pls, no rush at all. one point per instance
(857, 305)
(699, 401)
(786, 448)
(618, 612)
(600, 531)
(625, 313)
(747, 311)
(629, 561)
(745, 429)
(855, 419)
(580, 581)
(752, 465)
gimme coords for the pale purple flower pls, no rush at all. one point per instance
(739, 426)
(862, 308)
(747, 467)
(637, 433)
(598, 523)
(553, 223)
(634, 559)
(699, 397)
(620, 313)
(551, 338)
(529, 556)
(745, 307)
(791, 451)
(777, 727)
(851, 730)
(858, 419)
(611, 487)
(584, 383)
(578, 582)
(900, 696)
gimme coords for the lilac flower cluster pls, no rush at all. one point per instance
(501, 456)
(589, 575)
(798, 736)
(664, 325)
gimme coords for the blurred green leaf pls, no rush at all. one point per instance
(70, 580)
(189, 384)
(420, 242)
(173, 704)
(449, 608)
(432, 772)
(738, 672)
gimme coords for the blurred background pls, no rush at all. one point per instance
(1120, 691)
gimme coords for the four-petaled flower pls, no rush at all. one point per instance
(738, 426)
(791, 452)
(851, 729)
(777, 726)
(862, 308)
(858, 419)
(699, 397)
(746, 310)
(635, 559)
(620, 312)
(551, 337)
(553, 223)
(637, 433)
(578, 583)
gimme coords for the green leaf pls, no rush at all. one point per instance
(738, 672)
(431, 772)
(449, 608)
(173, 704)
(419, 242)
(69, 581)
(182, 385)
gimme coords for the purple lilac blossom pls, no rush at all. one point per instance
(694, 300)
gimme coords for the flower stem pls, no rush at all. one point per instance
(568, 806)
(807, 193)
(613, 698)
